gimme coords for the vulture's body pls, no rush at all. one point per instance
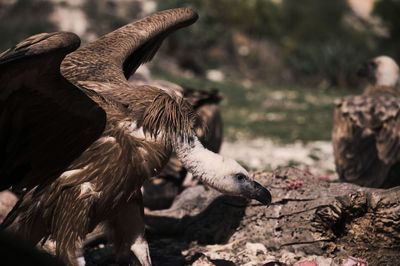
(366, 131)
(119, 136)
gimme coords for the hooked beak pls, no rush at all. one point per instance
(261, 194)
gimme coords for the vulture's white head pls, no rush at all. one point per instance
(381, 71)
(231, 178)
(222, 173)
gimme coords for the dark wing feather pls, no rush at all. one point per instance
(33, 45)
(104, 65)
(125, 49)
(45, 121)
(143, 54)
(366, 138)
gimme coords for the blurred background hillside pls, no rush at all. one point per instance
(309, 42)
(279, 63)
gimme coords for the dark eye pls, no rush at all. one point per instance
(240, 177)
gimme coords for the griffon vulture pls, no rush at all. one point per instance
(366, 130)
(105, 158)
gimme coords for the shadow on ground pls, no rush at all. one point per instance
(168, 237)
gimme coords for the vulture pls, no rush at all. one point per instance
(80, 139)
(366, 130)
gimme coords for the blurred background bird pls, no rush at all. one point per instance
(366, 130)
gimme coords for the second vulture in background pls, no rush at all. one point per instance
(366, 130)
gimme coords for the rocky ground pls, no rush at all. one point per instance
(311, 222)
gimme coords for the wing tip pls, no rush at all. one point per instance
(41, 43)
(190, 12)
(187, 14)
(66, 40)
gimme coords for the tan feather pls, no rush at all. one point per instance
(174, 119)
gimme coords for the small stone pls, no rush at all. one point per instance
(256, 248)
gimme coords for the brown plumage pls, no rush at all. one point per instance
(28, 74)
(366, 131)
(205, 103)
(143, 126)
(160, 191)
(34, 149)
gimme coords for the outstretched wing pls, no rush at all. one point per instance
(104, 65)
(366, 138)
(117, 55)
(45, 121)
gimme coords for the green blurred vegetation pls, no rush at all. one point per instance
(320, 41)
(103, 17)
(285, 114)
(308, 42)
(388, 11)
